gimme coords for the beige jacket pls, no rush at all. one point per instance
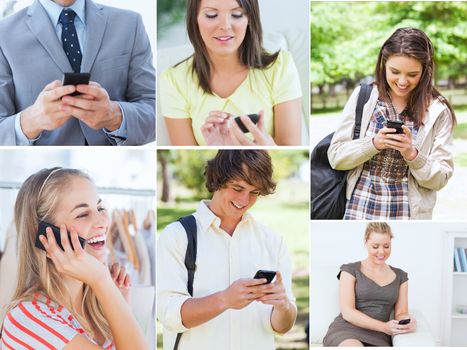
(428, 172)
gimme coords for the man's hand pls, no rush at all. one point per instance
(276, 294)
(93, 107)
(46, 113)
(244, 291)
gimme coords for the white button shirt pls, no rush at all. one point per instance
(221, 260)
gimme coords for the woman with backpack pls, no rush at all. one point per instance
(402, 156)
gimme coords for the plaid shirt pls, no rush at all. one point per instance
(382, 189)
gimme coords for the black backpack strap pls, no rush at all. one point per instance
(189, 224)
(363, 96)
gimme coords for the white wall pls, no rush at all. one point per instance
(417, 248)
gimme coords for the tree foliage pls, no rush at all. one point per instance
(346, 36)
(188, 166)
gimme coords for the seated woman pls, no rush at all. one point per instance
(371, 292)
(230, 74)
(66, 298)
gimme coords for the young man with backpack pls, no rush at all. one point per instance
(206, 266)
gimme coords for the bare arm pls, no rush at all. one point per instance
(287, 123)
(401, 309)
(180, 131)
(348, 310)
(82, 266)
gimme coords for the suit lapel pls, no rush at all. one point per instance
(39, 23)
(96, 22)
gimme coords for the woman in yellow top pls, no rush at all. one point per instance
(229, 75)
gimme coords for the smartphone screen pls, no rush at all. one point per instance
(253, 117)
(267, 274)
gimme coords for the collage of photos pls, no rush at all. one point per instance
(271, 175)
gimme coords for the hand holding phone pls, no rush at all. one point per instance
(56, 232)
(76, 79)
(405, 321)
(253, 117)
(267, 274)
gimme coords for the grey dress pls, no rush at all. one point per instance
(374, 301)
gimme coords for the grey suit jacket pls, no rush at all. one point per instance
(117, 54)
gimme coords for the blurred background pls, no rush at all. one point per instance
(125, 181)
(425, 250)
(181, 186)
(345, 41)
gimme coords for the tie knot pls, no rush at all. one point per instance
(67, 16)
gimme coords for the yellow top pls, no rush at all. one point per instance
(181, 96)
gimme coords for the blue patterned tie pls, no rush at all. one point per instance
(70, 39)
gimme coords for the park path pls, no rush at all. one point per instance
(451, 203)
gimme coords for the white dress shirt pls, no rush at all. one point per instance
(221, 260)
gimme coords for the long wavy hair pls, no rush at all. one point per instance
(251, 51)
(413, 43)
(37, 200)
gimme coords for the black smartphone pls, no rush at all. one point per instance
(406, 321)
(253, 117)
(75, 79)
(395, 124)
(267, 274)
(56, 231)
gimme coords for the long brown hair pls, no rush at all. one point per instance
(251, 51)
(37, 200)
(414, 43)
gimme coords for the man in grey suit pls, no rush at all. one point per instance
(40, 43)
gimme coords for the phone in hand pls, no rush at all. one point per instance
(395, 124)
(405, 321)
(56, 231)
(253, 117)
(267, 274)
(75, 79)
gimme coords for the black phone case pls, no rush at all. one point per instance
(56, 231)
(267, 274)
(406, 321)
(75, 79)
(253, 117)
(395, 124)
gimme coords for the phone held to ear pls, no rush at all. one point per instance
(56, 231)
(395, 124)
(253, 117)
(406, 321)
(267, 274)
(75, 79)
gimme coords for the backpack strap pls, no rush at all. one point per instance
(189, 224)
(363, 97)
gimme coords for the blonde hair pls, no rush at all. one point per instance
(36, 201)
(380, 227)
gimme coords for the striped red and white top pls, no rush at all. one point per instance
(41, 324)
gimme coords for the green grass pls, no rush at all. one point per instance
(461, 160)
(460, 132)
(335, 104)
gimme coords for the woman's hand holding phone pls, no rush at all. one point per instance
(216, 129)
(76, 262)
(393, 327)
(386, 138)
(260, 135)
